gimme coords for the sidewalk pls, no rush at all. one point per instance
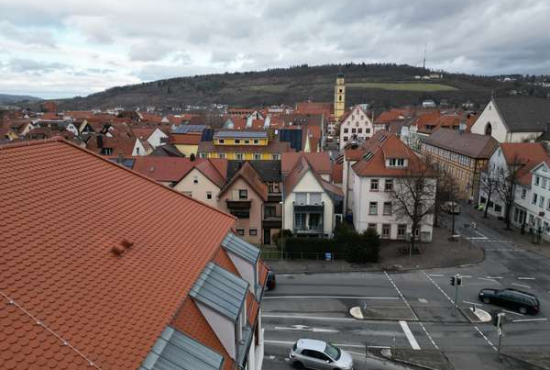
(439, 253)
(514, 235)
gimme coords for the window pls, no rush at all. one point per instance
(531, 219)
(374, 185)
(195, 179)
(498, 208)
(301, 198)
(537, 180)
(300, 221)
(247, 141)
(315, 198)
(243, 194)
(543, 185)
(345, 131)
(203, 155)
(221, 141)
(541, 201)
(253, 232)
(548, 205)
(208, 195)
(523, 193)
(386, 230)
(240, 232)
(222, 155)
(353, 131)
(257, 156)
(388, 185)
(401, 230)
(237, 141)
(534, 199)
(373, 208)
(387, 208)
(359, 130)
(240, 156)
(401, 162)
(367, 130)
(270, 211)
(275, 157)
(345, 138)
(256, 141)
(315, 221)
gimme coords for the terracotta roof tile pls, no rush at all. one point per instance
(523, 153)
(165, 169)
(110, 308)
(319, 161)
(252, 178)
(185, 139)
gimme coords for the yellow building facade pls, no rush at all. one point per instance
(339, 96)
(241, 145)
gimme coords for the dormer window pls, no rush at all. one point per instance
(396, 162)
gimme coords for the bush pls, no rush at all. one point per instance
(364, 248)
(313, 248)
(276, 238)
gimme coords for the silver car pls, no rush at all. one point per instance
(319, 355)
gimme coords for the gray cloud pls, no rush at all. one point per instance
(168, 38)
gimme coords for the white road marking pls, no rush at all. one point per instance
(438, 287)
(480, 234)
(466, 276)
(409, 334)
(302, 317)
(475, 304)
(523, 286)
(486, 339)
(488, 279)
(422, 300)
(494, 277)
(512, 312)
(437, 275)
(526, 278)
(530, 320)
(476, 238)
(313, 330)
(328, 297)
(428, 335)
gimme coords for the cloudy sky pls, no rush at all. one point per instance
(63, 48)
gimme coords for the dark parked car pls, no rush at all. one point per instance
(511, 298)
(271, 281)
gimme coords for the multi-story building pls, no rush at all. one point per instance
(152, 279)
(339, 97)
(462, 155)
(356, 127)
(385, 165)
(243, 145)
(311, 205)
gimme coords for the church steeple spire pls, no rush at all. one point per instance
(339, 96)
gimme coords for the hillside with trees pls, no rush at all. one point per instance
(381, 85)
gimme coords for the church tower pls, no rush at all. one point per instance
(339, 96)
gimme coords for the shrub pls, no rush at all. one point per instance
(364, 248)
(276, 238)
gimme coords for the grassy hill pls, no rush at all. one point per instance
(381, 85)
(10, 99)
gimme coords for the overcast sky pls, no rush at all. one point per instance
(63, 48)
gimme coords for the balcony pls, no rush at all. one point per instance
(238, 204)
(272, 222)
(274, 197)
(309, 230)
(309, 208)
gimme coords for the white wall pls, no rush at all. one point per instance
(309, 184)
(139, 149)
(357, 119)
(200, 189)
(364, 196)
(222, 327)
(496, 164)
(245, 269)
(155, 138)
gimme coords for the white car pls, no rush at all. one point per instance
(319, 355)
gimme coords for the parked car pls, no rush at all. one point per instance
(271, 280)
(511, 298)
(452, 207)
(319, 355)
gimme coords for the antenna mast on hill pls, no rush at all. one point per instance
(424, 61)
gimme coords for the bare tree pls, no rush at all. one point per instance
(506, 188)
(489, 184)
(413, 198)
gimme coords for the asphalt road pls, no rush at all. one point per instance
(413, 310)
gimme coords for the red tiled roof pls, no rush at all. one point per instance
(382, 149)
(165, 169)
(301, 167)
(523, 153)
(111, 309)
(337, 173)
(319, 161)
(185, 139)
(208, 169)
(392, 115)
(143, 132)
(314, 108)
(149, 117)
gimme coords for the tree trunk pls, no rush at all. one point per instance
(487, 205)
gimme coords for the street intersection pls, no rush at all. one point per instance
(414, 310)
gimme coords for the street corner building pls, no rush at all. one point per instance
(103, 268)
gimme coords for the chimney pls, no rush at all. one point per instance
(120, 158)
(99, 141)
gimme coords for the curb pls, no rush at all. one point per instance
(391, 358)
(524, 361)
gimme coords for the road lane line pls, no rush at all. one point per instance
(523, 286)
(438, 287)
(488, 279)
(466, 276)
(512, 312)
(302, 317)
(437, 275)
(327, 297)
(494, 277)
(530, 320)
(400, 294)
(409, 334)
(475, 304)
(313, 330)
(480, 234)
(428, 335)
(526, 278)
(486, 339)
